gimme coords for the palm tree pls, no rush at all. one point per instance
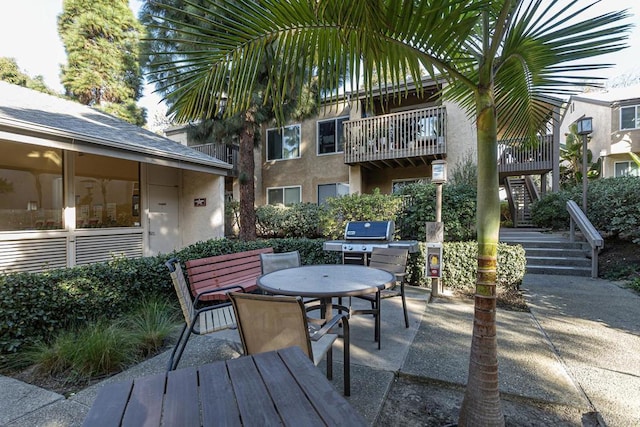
(504, 61)
(571, 160)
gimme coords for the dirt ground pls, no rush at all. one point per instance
(619, 259)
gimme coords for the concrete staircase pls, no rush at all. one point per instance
(550, 252)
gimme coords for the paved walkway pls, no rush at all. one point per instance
(579, 348)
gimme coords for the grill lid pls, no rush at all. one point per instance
(369, 230)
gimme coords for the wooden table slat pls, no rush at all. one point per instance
(145, 403)
(285, 392)
(254, 403)
(332, 406)
(219, 406)
(274, 388)
(181, 406)
(113, 399)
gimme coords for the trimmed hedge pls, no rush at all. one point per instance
(36, 306)
(461, 267)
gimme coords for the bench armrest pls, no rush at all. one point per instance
(217, 290)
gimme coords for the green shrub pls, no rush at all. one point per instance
(551, 210)
(357, 207)
(151, 323)
(94, 350)
(298, 220)
(613, 207)
(34, 307)
(37, 307)
(461, 265)
(419, 207)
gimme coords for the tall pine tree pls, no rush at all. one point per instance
(169, 24)
(102, 41)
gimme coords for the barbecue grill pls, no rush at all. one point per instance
(360, 237)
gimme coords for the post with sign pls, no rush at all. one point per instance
(433, 267)
(435, 230)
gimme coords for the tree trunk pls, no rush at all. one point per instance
(246, 179)
(481, 405)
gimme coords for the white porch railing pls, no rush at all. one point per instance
(399, 135)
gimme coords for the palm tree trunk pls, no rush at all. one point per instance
(481, 405)
(246, 166)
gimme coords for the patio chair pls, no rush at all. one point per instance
(273, 322)
(393, 260)
(199, 320)
(277, 261)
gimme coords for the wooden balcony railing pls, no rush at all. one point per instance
(516, 156)
(225, 152)
(406, 135)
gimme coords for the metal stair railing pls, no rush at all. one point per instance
(595, 240)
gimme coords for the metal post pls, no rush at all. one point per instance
(584, 174)
(439, 202)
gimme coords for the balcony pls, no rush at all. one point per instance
(516, 157)
(225, 152)
(411, 138)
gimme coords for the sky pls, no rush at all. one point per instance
(28, 33)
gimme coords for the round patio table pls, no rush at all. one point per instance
(326, 281)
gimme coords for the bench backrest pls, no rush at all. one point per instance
(224, 270)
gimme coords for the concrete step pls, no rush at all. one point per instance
(558, 261)
(550, 253)
(559, 270)
(547, 251)
(550, 244)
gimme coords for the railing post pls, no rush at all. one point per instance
(572, 230)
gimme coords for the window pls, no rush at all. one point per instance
(397, 185)
(31, 187)
(625, 169)
(107, 192)
(331, 190)
(331, 135)
(630, 117)
(284, 195)
(283, 143)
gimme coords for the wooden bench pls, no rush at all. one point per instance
(238, 269)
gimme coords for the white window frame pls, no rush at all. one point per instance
(282, 153)
(637, 116)
(336, 136)
(336, 185)
(284, 188)
(631, 166)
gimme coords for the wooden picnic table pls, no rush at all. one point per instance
(275, 388)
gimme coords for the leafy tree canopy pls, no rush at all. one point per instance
(102, 42)
(11, 73)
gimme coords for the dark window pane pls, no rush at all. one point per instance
(274, 144)
(326, 137)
